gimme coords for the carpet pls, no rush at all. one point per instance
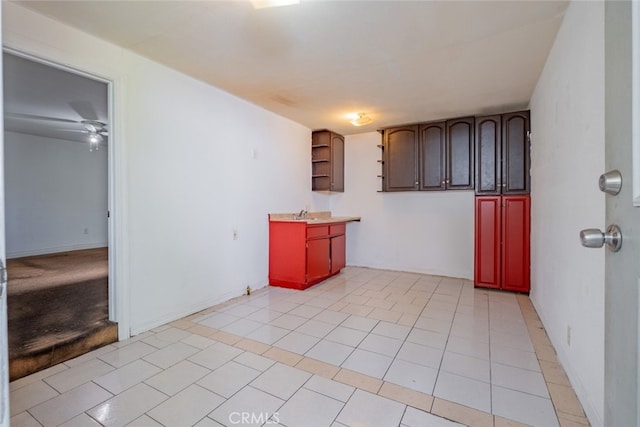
(58, 308)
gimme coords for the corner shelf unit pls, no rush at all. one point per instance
(327, 161)
(381, 162)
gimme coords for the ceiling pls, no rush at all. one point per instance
(315, 62)
(46, 101)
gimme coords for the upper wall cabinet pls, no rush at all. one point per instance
(429, 156)
(400, 159)
(460, 154)
(327, 161)
(502, 154)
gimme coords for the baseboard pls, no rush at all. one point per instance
(46, 251)
(170, 317)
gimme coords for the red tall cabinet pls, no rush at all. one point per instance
(502, 242)
(503, 204)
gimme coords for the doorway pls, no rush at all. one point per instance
(56, 123)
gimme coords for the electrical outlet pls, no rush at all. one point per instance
(85, 231)
(235, 234)
(569, 336)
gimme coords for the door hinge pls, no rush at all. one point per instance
(4, 277)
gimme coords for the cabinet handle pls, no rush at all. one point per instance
(416, 182)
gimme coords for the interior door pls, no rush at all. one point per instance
(622, 269)
(4, 348)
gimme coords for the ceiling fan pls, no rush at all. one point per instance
(95, 129)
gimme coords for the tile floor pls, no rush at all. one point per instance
(367, 347)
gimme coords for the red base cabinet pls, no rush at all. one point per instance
(502, 259)
(301, 254)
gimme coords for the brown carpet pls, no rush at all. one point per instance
(58, 308)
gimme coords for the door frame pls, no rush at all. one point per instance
(118, 294)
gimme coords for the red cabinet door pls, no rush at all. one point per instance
(318, 252)
(338, 253)
(515, 243)
(487, 242)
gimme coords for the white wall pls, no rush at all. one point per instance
(567, 280)
(184, 176)
(55, 192)
(425, 232)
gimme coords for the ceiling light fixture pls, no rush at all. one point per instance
(360, 119)
(263, 4)
(94, 141)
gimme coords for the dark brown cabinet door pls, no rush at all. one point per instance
(515, 153)
(337, 162)
(460, 159)
(401, 158)
(488, 154)
(432, 156)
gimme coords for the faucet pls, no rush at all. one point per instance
(302, 214)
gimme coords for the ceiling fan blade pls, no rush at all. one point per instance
(37, 117)
(85, 110)
(71, 130)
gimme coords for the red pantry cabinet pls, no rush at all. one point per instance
(502, 259)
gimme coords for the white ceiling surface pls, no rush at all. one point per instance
(46, 101)
(398, 61)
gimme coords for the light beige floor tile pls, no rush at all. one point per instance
(187, 407)
(29, 396)
(460, 413)
(252, 346)
(356, 299)
(357, 309)
(466, 391)
(254, 361)
(127, 354)
(572, 420)
(171, 354)
(198, 341)
(144, 421)
(330, 388)
(565, 400)
(215, 356)
(202, 330)
(88, 356)
(249, 400)
(229, 379)
(33, 378)
(80, 374)
(367, 409)
(417, 418)
(60, 409)
(380, 303)
(317, 367)
(129, 375)
(270, 381)
(504, 422)
(178, 377)
(82, 420)
(24, 419)
(404, 395)
(308, 408)
(182, 324)
(226, 337)
(408, 319)
(386, 315)
(358, 380)
(283, 356)
(127, 406)
(553, 373)
(523, 407)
